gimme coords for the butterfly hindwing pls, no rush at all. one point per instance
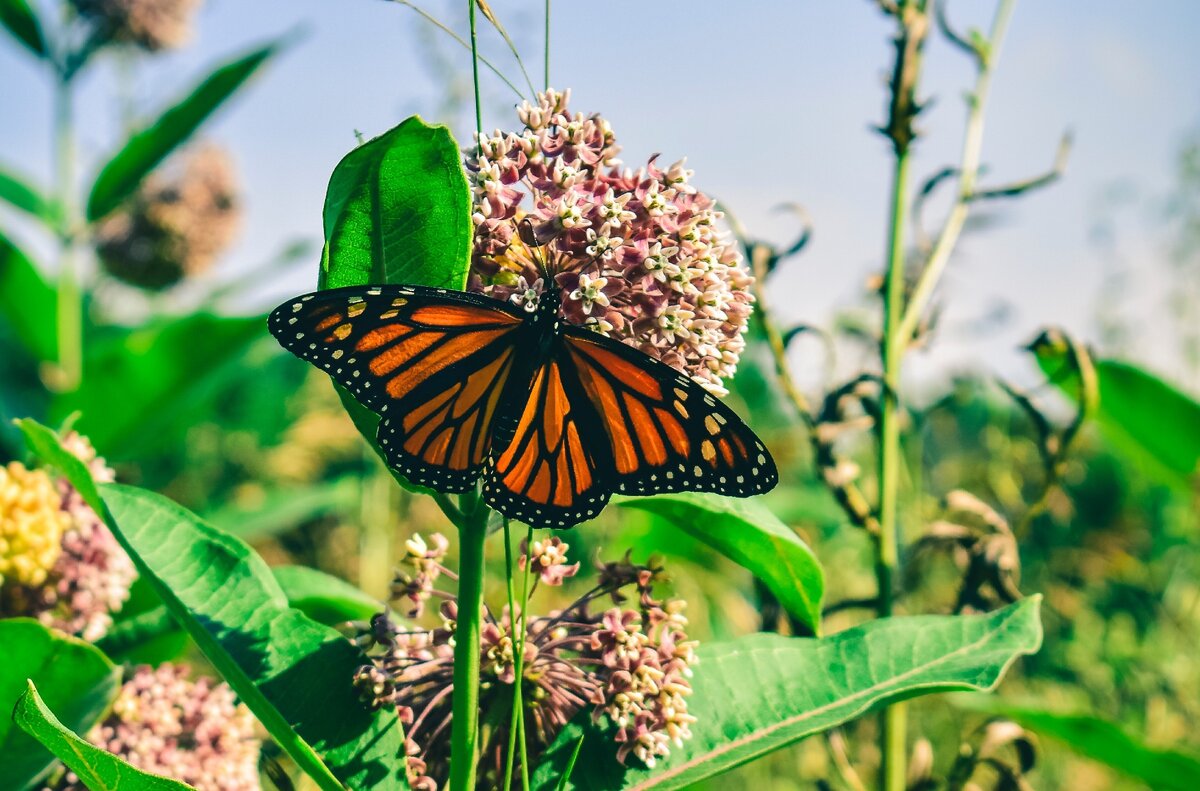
(665, 432)
(432, 363)
(553, 472)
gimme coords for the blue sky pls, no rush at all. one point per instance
(770, 101)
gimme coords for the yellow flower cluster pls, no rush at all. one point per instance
(32, 523)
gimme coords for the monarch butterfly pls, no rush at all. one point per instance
(555, 418)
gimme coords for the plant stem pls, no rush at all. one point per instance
(939, 256)
(475, 68)
(70, 300)
(912, 25)
(517, 721)
(546, 63)
(464, 730)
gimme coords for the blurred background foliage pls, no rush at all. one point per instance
(191, 400)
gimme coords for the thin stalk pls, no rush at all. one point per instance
(70, 298)
(943, 246)
(887, 542)
(546, 62)
(519, 661)
(464, 731)
(475, 68)
(517, 721)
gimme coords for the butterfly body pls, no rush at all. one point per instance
(554, 418)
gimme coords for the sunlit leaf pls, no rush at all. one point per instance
(75, 678)
(137, 382)
(142, 152)
(746, 532)
(759, 693)
(1141, 413)
(1103, 741)
(323, 597)
(97, 769)
(27, 302)
(19, 19)
(397, 211)
(293, 673)
(24, 196)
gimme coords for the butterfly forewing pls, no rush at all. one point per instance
(434, 364)
(665, 432)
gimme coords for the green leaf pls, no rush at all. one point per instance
(323, 597)
(1139, 412)
(281, 510)
(136, 382)
(760, 693)
(293, 673)
(142, 152)
(97, 769)
(27, 302)
(18, 18)
(398, 210)
(147, 638)
(1102, 741)
(75, 677)
(746, 532)
(25, 197)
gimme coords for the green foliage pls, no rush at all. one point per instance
(397, 211)
(759, 693)
(27, 198)
(19, 19)
(97, 769)
(324, 598)
(147, 148)
(1106, 742)
(138, 382)
(1141, 413)
(76, 678)
(26, 302)
(746, 532)
(293, 673)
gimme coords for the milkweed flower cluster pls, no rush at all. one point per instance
(67, 569)
(194, 731)
(636, 254)
(150, 24)
(629, 661)
(176, 225)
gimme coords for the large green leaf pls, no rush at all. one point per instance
(137, 382)
(1141, 413)
(17, 192)
(18, 18)
(97, 769)
(76, 679)
(1103, 741)
(293, 673)
(323, 597)
(398, 210)
(27, 302)
(746, 532)
(759, 693)
(145, 149)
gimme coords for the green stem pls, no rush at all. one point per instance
(520, 660)
(464, 731)
(516, 721)
(887, 542)
(546, 62)
(475, 68)
(70, 299)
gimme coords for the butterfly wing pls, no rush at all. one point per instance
(664, 432)
(554, 471)
(432, 363)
